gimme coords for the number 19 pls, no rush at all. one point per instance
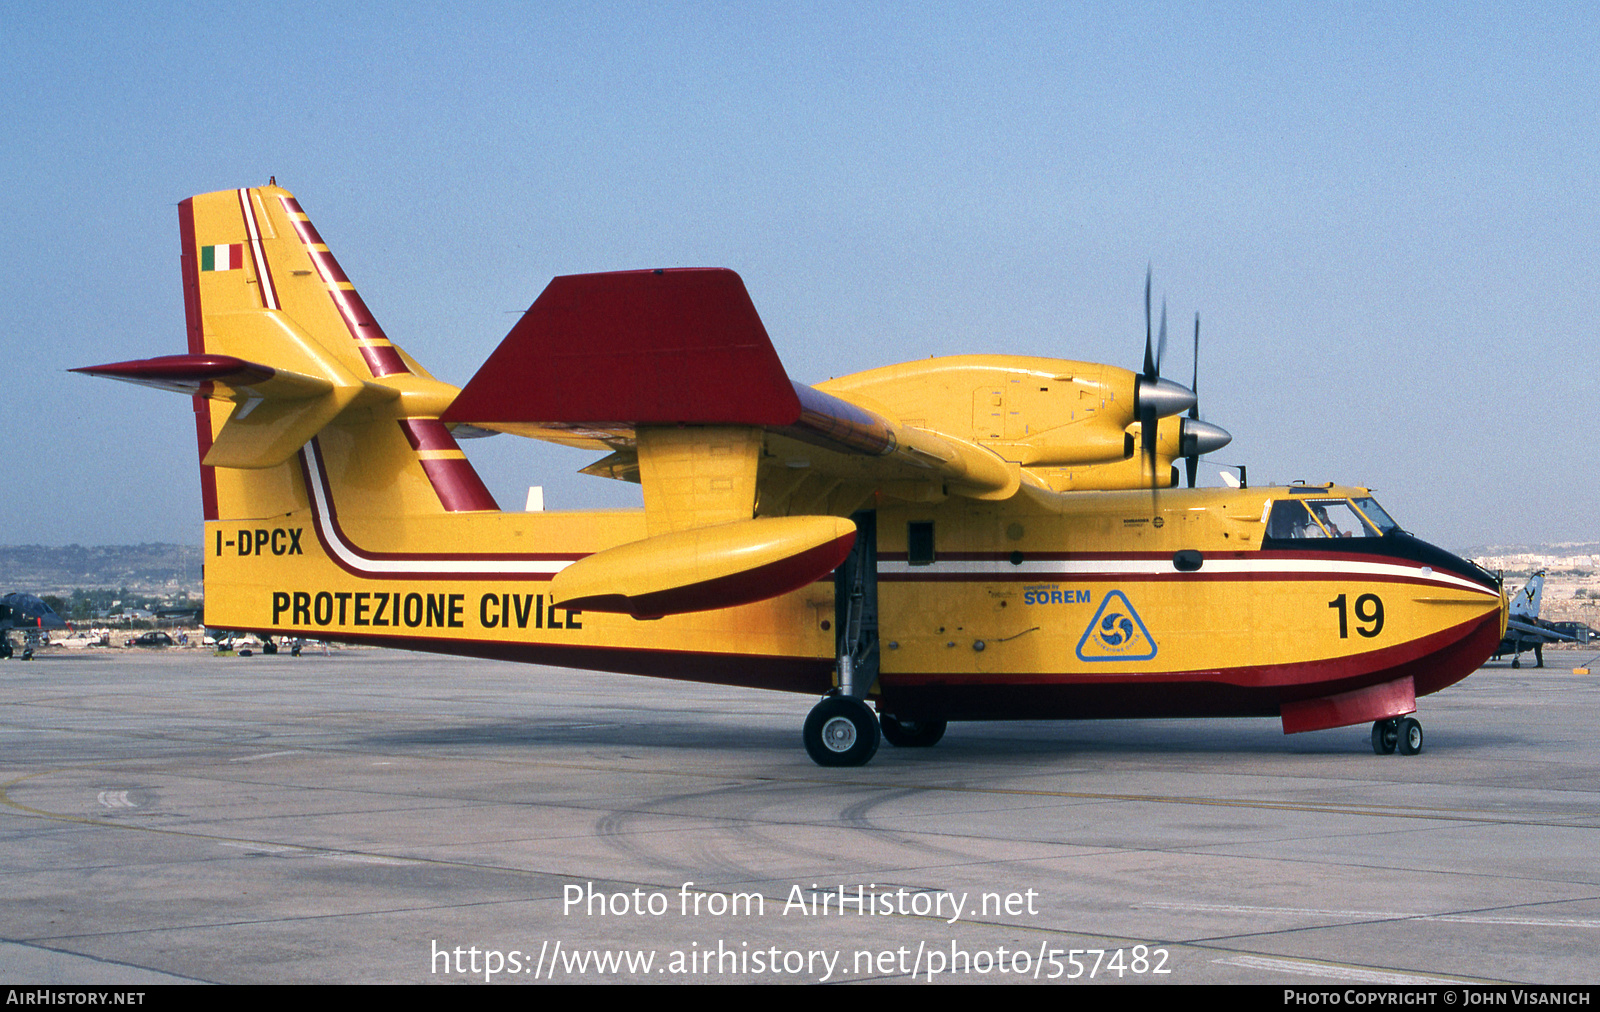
(1369, 612)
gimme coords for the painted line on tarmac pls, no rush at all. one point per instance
(274, 850)
(1330, 971)
(265, 755)
(1380, 915)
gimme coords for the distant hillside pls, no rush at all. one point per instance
(1577, 557)
(154, 569)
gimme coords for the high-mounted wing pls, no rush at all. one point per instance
(673, 372)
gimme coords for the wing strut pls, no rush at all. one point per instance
(855, 609)
(843, 730)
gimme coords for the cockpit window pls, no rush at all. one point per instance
(1376, 515)
(1318, 518)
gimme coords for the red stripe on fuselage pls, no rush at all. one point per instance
(1434, 662)
(455, 482)
(458, 486)
(189, 261)
(427, 434)
(810, 675)
(327, 526)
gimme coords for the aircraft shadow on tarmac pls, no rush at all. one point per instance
(965, 742)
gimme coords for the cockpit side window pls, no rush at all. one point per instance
(1289, 519)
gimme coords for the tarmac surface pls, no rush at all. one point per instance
(383, 817)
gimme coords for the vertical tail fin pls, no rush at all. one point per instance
(283, 349)
(1526, 604)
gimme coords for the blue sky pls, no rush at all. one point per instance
(1385, 214)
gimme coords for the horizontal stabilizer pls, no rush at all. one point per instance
(275, 410)
(704, 568)
(663, 347)
(1536, 632)
(216, 376)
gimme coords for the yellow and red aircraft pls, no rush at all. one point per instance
(968, 538)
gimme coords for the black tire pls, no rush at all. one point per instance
(1385, 736)
(1410, 736)
(841, 731)
(911, 733)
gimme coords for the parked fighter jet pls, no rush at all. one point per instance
(1525, 630)
(31, 616)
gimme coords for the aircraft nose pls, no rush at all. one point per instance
(1203, 437)
(1408, 546)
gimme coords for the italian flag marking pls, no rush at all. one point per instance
(222, 258)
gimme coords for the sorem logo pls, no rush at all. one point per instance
(1053, 594)
(1116, 633)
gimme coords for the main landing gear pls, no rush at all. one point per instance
(1402, 733)
(841, 731)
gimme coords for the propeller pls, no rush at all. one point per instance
(1155, 397)
(1199, 437)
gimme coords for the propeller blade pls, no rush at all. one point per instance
(1191, 463)
(1194, 384)
(1149, 356)
(1161, 344)
(1148, 418)
(1147, 436)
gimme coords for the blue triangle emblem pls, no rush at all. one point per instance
(1116, 633)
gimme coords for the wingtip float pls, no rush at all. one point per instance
(968, 538)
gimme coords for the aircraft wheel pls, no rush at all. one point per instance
(1410, 736)
(1385, 736)
(841, 731)
(1516, 662)
(911, 733)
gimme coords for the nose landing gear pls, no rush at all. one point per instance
(1397, 733)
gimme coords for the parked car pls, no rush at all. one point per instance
(156, 638)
